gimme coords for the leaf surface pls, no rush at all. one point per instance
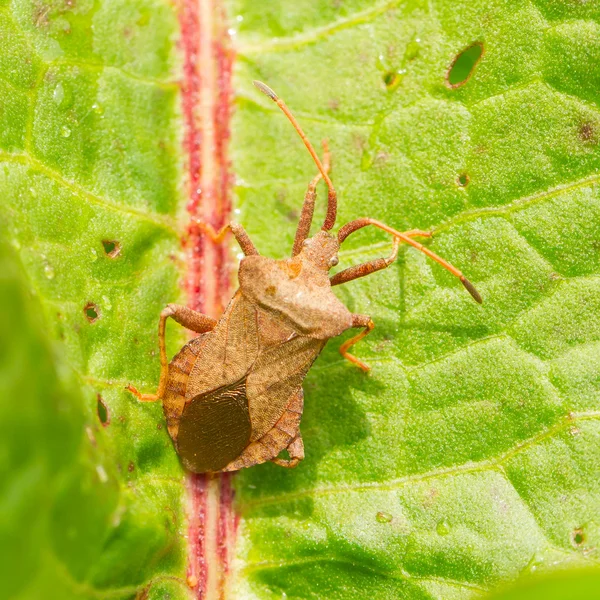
(90, 181)
(470, 452)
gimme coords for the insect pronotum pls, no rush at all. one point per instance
(233, 396)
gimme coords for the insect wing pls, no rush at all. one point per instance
(214, 428)
(275, 377)
(233, 348)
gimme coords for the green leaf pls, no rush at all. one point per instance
(572, 584)
(469, 454)
(90, 179)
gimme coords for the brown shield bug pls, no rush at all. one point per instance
(233, 395)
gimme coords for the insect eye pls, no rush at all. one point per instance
(333, 261)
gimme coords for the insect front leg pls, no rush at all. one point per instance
(374, 265)
(191, 320)
(406, 237)
(239, 233)
(358, 321)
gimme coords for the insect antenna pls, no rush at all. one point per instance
(353, 226)
(331, 196)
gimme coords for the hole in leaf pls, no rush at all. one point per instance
(111, 248)
(392, 79)
(91, 312)
(103, 411)
(463, 66)
(463, 180)
(577, 537)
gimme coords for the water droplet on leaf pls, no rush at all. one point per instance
(443, 527)
(101, 473)
(59, 94)
(65, 131)
(383, 517)
(62, 96)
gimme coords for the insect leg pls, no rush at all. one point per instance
(242, 238)
(358, 321)
(296, 452)
(373, 265)
(353, 226)
(308, 207)
(190, 319)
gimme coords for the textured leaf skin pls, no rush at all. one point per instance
(471, 452)
(89, 153)
(469, 455)
(573, 584)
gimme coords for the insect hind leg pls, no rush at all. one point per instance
(296, 452)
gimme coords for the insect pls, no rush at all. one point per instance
(233, 396)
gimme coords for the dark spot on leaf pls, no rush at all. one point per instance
(381, 158)
(463, 180)
(111, 248)
(159, 426)
(588, 133)
(91, 312)
(577, 537)
(40, 15)
(463, 65)
(131, 466)
(103, 413)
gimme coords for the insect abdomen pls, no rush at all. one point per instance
(214, 428)
(179, 369)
